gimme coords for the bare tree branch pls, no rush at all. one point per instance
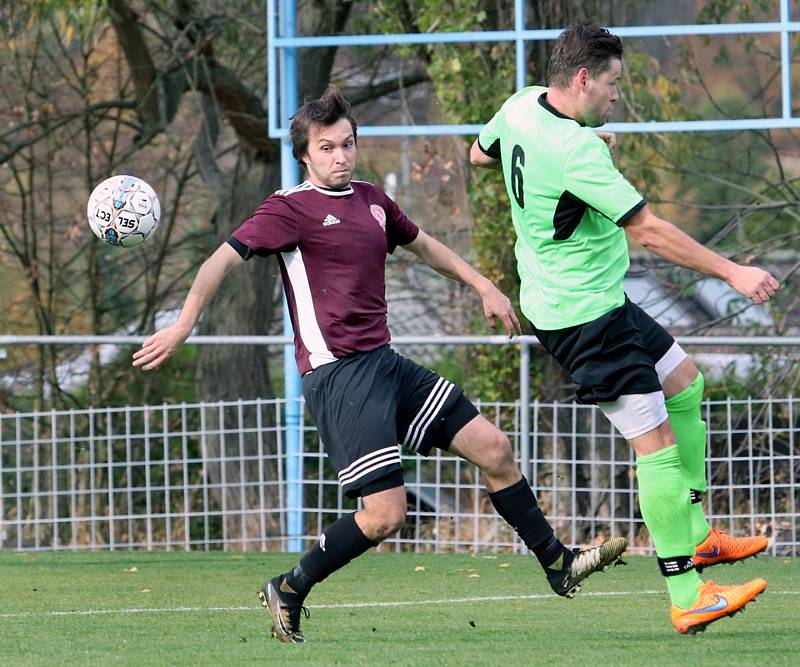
(143, 71)
(361, 95)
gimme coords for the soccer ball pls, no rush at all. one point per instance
(123, 210)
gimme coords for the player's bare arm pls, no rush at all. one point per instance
(480, 159)
(163, 344)
(666, 240)
(443, 260)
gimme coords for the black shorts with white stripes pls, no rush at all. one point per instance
(367, 404)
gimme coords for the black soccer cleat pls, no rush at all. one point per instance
(567, 581)
(285, 613)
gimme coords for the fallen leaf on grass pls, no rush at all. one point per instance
(420, 568)
(145, 590)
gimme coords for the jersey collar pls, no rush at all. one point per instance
(549, 107)
(330, 192)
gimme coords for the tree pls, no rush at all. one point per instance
(172, 89)
(734, 191)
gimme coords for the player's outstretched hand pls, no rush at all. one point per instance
(496, 304)
(159, 347)
(754, 283)
(610, 138)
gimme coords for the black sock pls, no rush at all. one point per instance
(339, 544)
(517, 505)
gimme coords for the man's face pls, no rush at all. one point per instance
(331, 155)
(599, 94)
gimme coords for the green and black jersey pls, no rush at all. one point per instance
(568, 205)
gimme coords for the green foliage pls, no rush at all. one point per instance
(736, 11)
(175, 383)
(471, 84)
(649, 94)
(72, 18)
(450, 365)
(766, 374)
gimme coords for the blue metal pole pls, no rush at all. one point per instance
(519, 28)
(289, 177)
(272, 70)
(734, 125)
(786, 60)
(532, 35)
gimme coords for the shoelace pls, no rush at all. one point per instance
(584, 560)
(294, 617)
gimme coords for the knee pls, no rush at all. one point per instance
(395, 521)
(387, 522)
(391, 522)
(687, 394)
(498, 455)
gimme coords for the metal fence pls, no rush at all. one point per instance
(212, 476)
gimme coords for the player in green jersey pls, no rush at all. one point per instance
(572, 210)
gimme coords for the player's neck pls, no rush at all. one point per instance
(324, 186)
(563, 102)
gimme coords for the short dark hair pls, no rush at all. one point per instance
(579, 46)
(327, 110)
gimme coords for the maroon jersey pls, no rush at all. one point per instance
(331, 245)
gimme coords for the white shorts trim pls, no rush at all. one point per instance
(427, 414)
(366, 464)
(636, 414)
(670, 361)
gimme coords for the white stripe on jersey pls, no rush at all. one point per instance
(424, 418)
(310, 332)
(297, 188)
(332, 193)
(366, 464)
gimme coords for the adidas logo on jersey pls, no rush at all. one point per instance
(330, 220)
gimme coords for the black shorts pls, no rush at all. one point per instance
(611, 356)
(367, 404)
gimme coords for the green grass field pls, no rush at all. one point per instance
(384, 609)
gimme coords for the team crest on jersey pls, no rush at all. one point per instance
(379, 214)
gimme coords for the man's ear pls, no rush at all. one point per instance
(583, 77)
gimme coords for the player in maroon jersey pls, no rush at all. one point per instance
(331, 236)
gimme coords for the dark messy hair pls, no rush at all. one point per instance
(579, 46)
(327, 110)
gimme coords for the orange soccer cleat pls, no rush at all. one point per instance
(719, 547)
(715, 602)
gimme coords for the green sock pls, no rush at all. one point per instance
(665, 505)
(690, 434)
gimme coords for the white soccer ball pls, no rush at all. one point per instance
(123, 210)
